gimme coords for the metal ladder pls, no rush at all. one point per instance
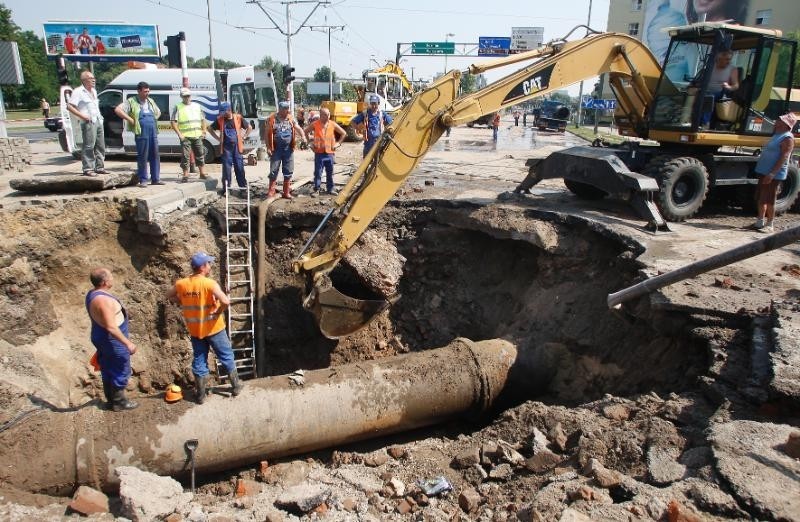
(239, 280)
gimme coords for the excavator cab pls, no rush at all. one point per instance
(692, 106)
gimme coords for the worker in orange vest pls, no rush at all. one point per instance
(281, 134)
(233, 129)
(328, 136)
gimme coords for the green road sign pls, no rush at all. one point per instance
(433, 48)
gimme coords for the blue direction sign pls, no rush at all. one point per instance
(604, 105)
(493, 45)
(433, 48)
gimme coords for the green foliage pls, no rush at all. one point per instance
(205, 63)
(468, 83)
(795, 35)
(323, 74)
(39, 73)
(562, 97)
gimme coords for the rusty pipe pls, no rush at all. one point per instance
(754, 248)
(54, 452)
(261, 288)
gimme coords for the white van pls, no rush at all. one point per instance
(251, 94)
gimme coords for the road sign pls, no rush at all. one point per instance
(433, 48)
(493, 45)
(526, 38)
(603, 105)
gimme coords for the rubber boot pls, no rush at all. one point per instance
(271, 192)
(287, 189)
(236, 384)
(201, 384)
(121, 402)
(108, 390)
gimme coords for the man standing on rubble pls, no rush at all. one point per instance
(142, 114)
(328, 136)
(281, 134)
(203, 305)
(233, 129)
(110, 337)
(84, 105)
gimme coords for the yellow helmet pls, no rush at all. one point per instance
(174, 393)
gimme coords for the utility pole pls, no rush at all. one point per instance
(328, 28)
(580, 91)
(210, 47)
(288, 33)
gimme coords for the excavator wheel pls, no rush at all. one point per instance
(788, 191)
(684, 185)
(584, 190)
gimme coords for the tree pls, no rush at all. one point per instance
(39, 73)
(795, 35)
(468, 83)
(205, 63)
(323, 74)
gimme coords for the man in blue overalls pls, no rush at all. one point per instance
(233, 129)
(141, 113)
(110, 337)
(371, 122)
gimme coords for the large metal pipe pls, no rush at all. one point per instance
(733, 255)
(53, 452)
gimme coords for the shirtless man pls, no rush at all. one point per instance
(110, 337)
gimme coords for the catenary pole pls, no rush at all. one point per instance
(580, 89)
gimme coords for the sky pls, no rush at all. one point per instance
(241, 31)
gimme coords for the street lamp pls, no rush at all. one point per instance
(446, 39)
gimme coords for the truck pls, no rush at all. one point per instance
(551, 115)
(666, 178)
(251, 93)
(388, 82)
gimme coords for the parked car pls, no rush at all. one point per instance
(54, 124)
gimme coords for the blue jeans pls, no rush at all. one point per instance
(221, 345)
(282, 159)
(232, 159)
(322, 160)
(494, 133)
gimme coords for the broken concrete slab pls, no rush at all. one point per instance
(785, 357)
(72, 184)
(148, 204)
(663, 466)
(147, 496)
(303, 498)
(761, 476)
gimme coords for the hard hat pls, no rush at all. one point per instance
(174, 393)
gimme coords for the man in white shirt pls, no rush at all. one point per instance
(83, 104)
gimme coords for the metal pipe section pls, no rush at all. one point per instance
(733, 255)
(261, 287)
(54, 452)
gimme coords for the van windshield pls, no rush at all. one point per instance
(265, 97)
(243, 100)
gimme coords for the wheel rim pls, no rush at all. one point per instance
(684, 191)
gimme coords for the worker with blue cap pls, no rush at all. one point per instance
(371, 122)
(231, 130)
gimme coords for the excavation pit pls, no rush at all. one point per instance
(535, 279)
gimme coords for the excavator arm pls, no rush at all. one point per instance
(422, 122)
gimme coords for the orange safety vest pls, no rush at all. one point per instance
(237, 124)
(271, 132)
(323, 142)
(199, 306)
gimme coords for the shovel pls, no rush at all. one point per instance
(191, 446)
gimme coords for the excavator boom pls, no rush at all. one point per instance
(422, 122)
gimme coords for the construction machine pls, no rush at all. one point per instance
(668, 179)
(388, 82)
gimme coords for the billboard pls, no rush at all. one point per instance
(670, 13)
(102, 42)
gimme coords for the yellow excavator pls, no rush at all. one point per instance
(388, 82)
(672, 105)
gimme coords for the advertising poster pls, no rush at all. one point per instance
(670, 13)
(98, 42)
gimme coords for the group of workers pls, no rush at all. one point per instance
(203, 305)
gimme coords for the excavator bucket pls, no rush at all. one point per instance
(339, 315)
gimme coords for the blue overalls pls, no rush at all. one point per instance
(231, 157)
(147, 146)
(113, 356)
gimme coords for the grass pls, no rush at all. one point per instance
(15, 114)
(588, 134)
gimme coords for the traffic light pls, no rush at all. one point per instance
(173, 45)
(288, 76)
(61, 71)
